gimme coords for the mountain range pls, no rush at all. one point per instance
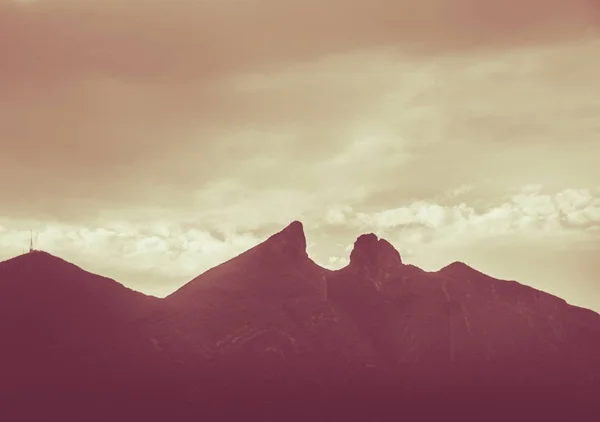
(271, 331)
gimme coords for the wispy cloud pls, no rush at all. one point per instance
(523, 213)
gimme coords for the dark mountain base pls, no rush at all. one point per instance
(360, 402)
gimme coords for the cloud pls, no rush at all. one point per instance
(335, 262)
(337, 216)
(526, 213)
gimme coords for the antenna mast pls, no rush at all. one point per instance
(30, 241)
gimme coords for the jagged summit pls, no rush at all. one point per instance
(372, 252)
(373, 262)
(295, 228)
(291, 241)
(277, 267)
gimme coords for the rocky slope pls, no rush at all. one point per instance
(465, 325)
(265, 313)
(68, 334)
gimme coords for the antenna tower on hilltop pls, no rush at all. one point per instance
(31, 241)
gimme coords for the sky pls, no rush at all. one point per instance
(149, 140)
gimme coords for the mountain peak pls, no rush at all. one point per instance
(38, 259)
(458, 268)
(371, 252)
(291, 240)
(279, 267)
(294, 229)
(43, 273)
(457, 265)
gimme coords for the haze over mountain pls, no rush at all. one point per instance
(270, 329)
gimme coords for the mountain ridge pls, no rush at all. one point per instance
(278, 326)
(295, 231)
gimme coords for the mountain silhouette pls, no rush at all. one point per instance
(267, 311)
(272, 330)
(70, 336)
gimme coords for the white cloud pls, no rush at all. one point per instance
(526, 212)
(575, 199)
(337, 215)
(336, 262)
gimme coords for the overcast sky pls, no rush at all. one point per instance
(148, 140)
